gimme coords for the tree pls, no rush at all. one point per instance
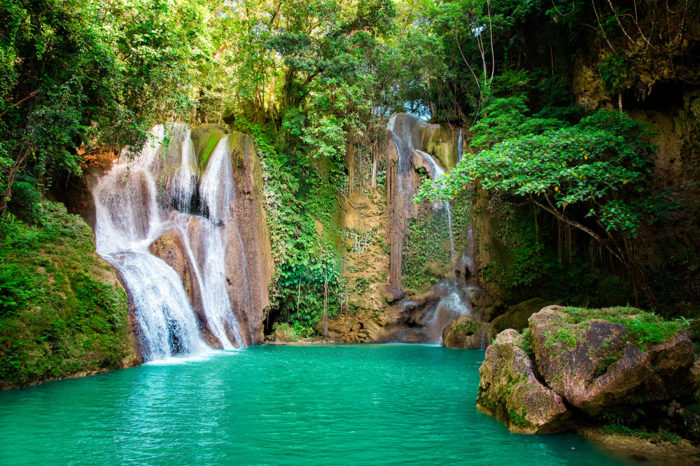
(594, 176)
(87, 74)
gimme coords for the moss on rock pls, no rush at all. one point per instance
(510, 391)
(205, 138)
(465, 332)
(596, 360)
(62, 309)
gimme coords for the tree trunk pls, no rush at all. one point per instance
(325, 307)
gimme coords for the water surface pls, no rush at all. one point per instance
(354, 404)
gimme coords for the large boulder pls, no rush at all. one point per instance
(571, 362)
(599, 360)
(510, 391)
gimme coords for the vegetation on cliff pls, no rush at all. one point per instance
(579, 203)
(62, 309)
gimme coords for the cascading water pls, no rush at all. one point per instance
(184, 182)
(403, 128)
(460, 146)
(132, 213)
(128, 220)
(450, 296)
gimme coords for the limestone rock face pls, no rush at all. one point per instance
(465, 332)
(510, 391)
(249, 267)
(593, 365)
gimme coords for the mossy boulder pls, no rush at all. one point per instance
(464, 332)
(593, 360)
(510, 391)
(602, 358)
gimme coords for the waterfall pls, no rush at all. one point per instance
(405, 137)
(184, 180)
(140, 200)
(460, 146)
(449, 298)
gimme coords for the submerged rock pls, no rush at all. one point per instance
(510, 391)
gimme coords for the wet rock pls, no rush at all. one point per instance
(169, 248)
(205, 138)
(392, 295)
(478, 297)
(510, 391)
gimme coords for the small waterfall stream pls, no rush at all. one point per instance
(140, 200)
(450, 296)
(460, 146)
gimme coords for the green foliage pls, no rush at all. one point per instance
(614, 73)
(505, 118)
(426, 252)
(284, 332)
(524, 260)
(600, 166)
(298, 198)
(60, 310)
(87, 74)
(426, 245)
